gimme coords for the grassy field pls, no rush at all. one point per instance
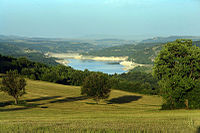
(49, 107)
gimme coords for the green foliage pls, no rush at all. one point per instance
(177, 68)
(146, 69)
(137, 81)
(96, 86)
(14, 85)
(38, 71)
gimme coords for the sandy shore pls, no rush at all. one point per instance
(62, 61)
(81, 57)
(64, 55)
(128, 65)
(112, 58)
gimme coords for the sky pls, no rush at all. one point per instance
(129, 19)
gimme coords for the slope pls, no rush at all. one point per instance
(54, 107)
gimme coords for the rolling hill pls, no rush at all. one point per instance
(49, 107)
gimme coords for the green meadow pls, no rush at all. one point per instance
(49, 107)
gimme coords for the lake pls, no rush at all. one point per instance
(101, 66)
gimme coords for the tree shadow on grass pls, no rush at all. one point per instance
(198, 130)
(23, 105)
(3, 104)
(14, 109)
(26, 105)
(42, 98)
(124, 99)
(69, 99)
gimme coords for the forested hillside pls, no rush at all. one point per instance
(143, 53)
(45, 46)
(35, 48)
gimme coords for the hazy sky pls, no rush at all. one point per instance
(120, 18)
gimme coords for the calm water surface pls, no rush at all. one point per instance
(102, 66)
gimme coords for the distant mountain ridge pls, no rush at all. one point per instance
(169, 39)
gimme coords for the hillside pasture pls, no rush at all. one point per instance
(49, 107)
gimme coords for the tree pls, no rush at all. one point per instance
(177, 67)
(96, 86)
(14, 85)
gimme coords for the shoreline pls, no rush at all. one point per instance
(82, 57)
(127, 65)
(63, 62)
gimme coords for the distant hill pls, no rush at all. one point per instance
(169, 39)
(45, 45)
(109, 42)
(143, 53)
(35, 48)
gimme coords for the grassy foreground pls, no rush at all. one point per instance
(58, 108)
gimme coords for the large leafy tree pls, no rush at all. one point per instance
(96, 86)
(177, 68)
(14, 85)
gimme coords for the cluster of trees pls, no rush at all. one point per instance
(136, 81)
(38, 71)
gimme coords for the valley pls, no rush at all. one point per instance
(99, 66)
(129, 54)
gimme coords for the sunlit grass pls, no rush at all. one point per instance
(49, 107)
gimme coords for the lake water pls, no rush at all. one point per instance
(102, 66)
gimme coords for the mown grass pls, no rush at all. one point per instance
(49, 107)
